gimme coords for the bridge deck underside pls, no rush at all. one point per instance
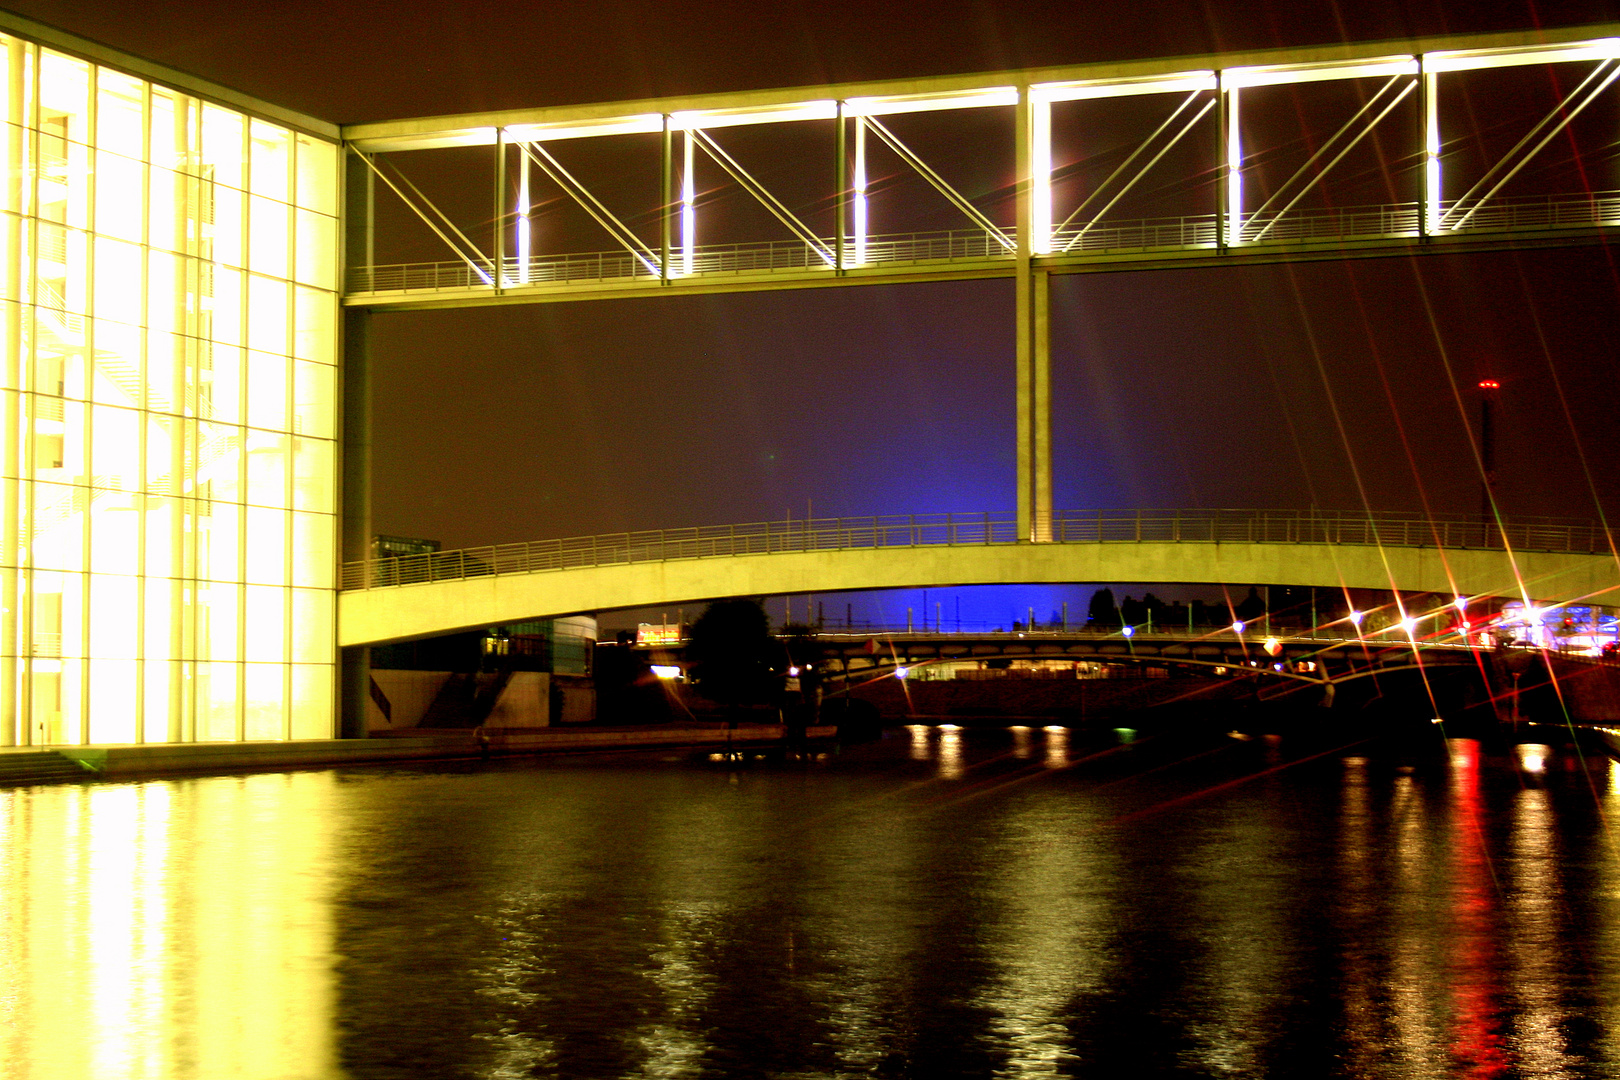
(369, 616)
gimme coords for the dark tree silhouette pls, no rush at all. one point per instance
(732, 653)
(1102, 611)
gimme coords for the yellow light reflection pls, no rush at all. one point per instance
(951, 764)
(1020, 736)
(919, 741)
(121, 961)
(1057, 747)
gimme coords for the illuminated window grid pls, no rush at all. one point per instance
(171, 331)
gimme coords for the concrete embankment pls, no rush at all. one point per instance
(133, 762)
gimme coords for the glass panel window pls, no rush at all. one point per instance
(267, 469)
(219, 460)
(116, 448)
(223, 216)
(312, 701)
(312, 481)
(113, 615)
(116, 373)
(272, 160)
(267, 246)
(221, 384)
(120, 114)
(223, 147)
(313, 536)
(172, 144)
(267, 314)
(266, 546)
(217, 701)
(314, 391)
(219, 544)
(223, 305)
(120, 197)
(64, 96)
(317, 175)
(316, 320)
(266, 703)
(265, 624)
(112, 701)
(313, 626)
(317, 250)
(267, 391)
(58, 526)
(118, 281)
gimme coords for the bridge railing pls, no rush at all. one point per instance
(944, 530)
(1197, 231)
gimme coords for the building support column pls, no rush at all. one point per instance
(354, 675)
(1033, 342)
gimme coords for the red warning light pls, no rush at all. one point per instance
(1489, 384)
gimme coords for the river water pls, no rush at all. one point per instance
(988, 902)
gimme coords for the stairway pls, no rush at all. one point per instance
(465, 700)
(24, 767)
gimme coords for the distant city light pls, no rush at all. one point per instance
(1237, 626)
(901, 672)
(1272, 646)
(1356, 617)
(1489, 384)
(1409, 624)
(1128, 631)
(666, 671)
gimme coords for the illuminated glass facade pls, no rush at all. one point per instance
(168, 420)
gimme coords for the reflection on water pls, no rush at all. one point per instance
(949, 902)
(1057, 747)
(168, 929)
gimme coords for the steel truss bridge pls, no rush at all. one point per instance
(426, 595)
(1197, 128)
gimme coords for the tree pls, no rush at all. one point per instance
(731, 652)
(1102, 611)
(1252, 606)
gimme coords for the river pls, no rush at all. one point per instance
(972, 902)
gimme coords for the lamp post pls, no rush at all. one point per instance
(1487, 450)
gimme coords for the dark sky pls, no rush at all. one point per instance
(1336, 384)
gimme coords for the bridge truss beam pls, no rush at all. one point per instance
(1031, 249)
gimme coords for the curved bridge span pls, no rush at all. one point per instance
(426, 595)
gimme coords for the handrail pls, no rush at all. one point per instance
(1092, 238)
(997, 527)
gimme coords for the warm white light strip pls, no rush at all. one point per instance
(859, 185)
(1040, 167)
(523, 218)
(1290, 74)
(688, 207)
(955, 99)
(1431, 152)
(584, 129)
(1478, 59)
(1234, 169)
(773, 114)
(1182, 82)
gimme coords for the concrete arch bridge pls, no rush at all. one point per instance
(1542, 561)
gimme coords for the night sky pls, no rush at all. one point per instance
(1342, 385)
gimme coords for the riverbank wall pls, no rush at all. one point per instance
(31, 765)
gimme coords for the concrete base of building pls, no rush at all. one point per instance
(133, 762)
